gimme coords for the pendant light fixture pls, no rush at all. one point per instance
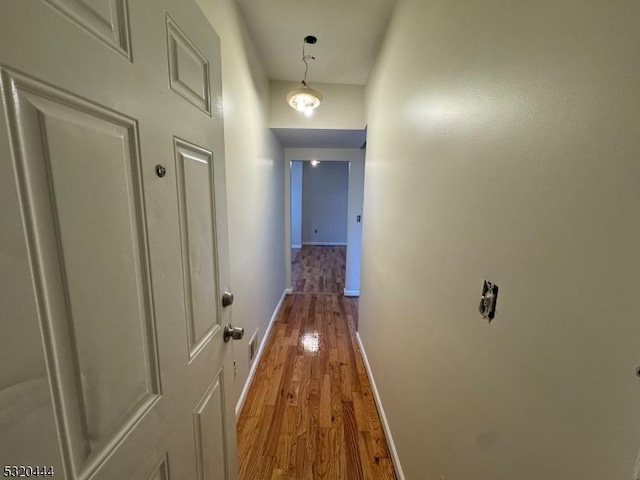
(305, 99)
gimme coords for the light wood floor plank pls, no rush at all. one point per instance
(310, 413)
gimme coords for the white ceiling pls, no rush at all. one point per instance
(318, 138)
(349, 34)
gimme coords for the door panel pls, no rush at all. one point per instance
(188, 68)
(88, 246)
(210, 433)
(196, 201)
(25, 395)
(111, 276)
(106, 20)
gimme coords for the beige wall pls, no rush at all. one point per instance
(504, 143)
(342, 107)
(254, 183)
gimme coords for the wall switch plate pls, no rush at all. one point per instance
(488, 300)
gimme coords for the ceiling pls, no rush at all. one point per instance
(349, 34)
(318, 138)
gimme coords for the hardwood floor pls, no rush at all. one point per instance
(310, 413)
(318, 269)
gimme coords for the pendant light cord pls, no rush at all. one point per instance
(305, 59)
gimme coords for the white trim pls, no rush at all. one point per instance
(326, 244)
(256, 359)
(351, 293)
(288, 291)
(296, 246)
(383, 417)
(636, 470)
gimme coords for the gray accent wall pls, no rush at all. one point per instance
(325, 195)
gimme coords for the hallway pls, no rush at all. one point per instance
(310, 412)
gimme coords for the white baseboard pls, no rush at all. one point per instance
(636, 470)
(288, 291)
(326, 244)
(296, 246)
(383, 417)
(351, 293)
(256, 359)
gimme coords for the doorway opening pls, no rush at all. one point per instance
(319, 208)
(324, 203)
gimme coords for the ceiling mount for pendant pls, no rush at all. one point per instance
(305, 99)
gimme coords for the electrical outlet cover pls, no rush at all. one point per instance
(488, 300)
(253, 347)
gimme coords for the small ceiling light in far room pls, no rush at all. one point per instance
(305, 99)
(314, 163)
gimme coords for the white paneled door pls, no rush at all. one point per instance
(113, 243)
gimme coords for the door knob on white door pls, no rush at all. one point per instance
(232, 332)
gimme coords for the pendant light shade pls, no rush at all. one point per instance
(305, 99)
